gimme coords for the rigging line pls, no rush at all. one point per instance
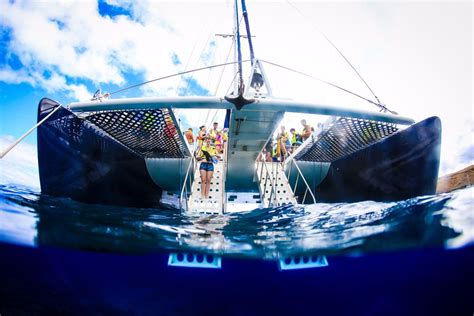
(231, 83)
(328, 83)
(205, 45)
(176, 74)
(223, 68)
(380, 104)
(187, 64)
(213, 59)
(213, 118)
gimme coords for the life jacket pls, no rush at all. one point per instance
(211, 150)
(189, 136)
(296, 137)
(213, 133)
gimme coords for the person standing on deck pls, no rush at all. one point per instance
(282, 137)
(213, 132)
(218, 142)
(189, 136)
(307, 130)
(206, 153)
(201, 135)
(295, 138)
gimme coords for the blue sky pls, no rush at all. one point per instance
(416, 56)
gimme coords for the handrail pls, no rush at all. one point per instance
(268, 174)
(224, 177)
(184, 188)
(308, 188)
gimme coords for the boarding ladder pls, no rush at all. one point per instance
(192, 202)
(274, 187)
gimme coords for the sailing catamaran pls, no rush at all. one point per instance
(132, 151)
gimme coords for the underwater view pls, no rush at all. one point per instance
(236, 158)
(64, 257)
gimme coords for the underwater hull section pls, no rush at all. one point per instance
(78, 160)
(398, 167)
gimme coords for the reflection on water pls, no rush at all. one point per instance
(33, 219)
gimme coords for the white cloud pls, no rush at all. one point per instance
(20, 165)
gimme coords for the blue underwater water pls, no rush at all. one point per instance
(59, 256)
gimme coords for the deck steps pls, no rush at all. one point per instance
(214, 203)
(274, 174)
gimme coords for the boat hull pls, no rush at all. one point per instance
(78, 160)
(398, 167)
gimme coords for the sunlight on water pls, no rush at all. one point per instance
(445, 220)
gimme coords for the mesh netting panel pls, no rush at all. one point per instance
(343, 137)
(150, 133)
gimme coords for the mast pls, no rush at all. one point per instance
(239, 51)
(236, 67)
(247, 27)
(237, 97)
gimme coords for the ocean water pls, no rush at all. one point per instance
(61, 257)
(437, 221)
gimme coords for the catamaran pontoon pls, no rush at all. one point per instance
(132, 151)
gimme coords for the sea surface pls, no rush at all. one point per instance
(436, 221)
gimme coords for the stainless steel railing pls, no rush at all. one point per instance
(299, 175)
(272, 200)
(184, 190)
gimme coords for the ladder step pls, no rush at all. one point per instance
(302, 262)
(190, 260)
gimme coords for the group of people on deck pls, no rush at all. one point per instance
(210, 148)
(285, 144)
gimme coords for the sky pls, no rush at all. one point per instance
(416, 57)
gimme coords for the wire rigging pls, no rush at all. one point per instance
(328, 83)
(378, 103)
(176, 74)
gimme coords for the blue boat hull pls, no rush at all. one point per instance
(398, 167)
(78, 160)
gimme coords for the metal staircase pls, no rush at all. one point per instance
(191, 200)
(273, 184)
(213, 204)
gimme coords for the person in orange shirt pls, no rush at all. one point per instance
(189, 136)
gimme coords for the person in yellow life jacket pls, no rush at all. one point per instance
(189, 136)
(218, 142)
(282, 137)
(207, 154)
(295, 138)
(201, 135)
(213, 131)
